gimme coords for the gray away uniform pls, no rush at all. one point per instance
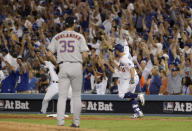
(69, 45)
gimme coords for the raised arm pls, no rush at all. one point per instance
(10, 67)
(51, 57)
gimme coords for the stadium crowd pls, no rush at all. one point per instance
(157, 32)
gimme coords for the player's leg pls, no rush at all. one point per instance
(44, 106)
(122, 88)
(52, 91)
(134, 101)
(61, 104)
(71, 100)
(138, 113)
(130, 93)
(126, 91)
(76, 84)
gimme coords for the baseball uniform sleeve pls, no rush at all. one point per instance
(52, 45)
(83, 45)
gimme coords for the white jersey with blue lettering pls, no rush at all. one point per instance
(125, 75)
(125, 65)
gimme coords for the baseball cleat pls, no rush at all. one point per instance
(73, 125)
(66, 116)
(41, 112)
(141, 98)
(137, 115)
(55, 115)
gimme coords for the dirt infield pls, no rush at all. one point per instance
(16, 126)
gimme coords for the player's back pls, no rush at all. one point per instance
(69, 45)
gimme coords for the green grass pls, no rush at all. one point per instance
(146, 124)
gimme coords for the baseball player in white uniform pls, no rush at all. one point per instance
(72, 51)
(128, 79)
(52, 90)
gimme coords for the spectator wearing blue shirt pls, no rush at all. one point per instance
(32, 82)
(22, 77)
(8, 84)
(87, 74)
(156, 82)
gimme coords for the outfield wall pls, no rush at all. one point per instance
(92, 103)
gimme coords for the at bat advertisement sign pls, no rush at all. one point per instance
(168, 107)
(14, 105)
(98, 106)
(90, 105)
(177, 107)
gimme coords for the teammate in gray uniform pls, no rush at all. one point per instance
(72, 51)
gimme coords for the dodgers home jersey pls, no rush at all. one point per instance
(125, 65)
(53, 74)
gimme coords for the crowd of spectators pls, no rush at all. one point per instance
(157, 32)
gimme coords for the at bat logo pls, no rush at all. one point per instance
(170, 107)
(99, 106)
(16, 105)
(183, 106)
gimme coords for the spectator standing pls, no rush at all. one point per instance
(156, 81)
(8, 84)
(163, 88)
(32, 82)
(88, 78)
(186, 86)
(22, 77)
(114, 87)
(43, 80)
(174, 78)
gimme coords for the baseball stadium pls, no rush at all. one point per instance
(95, 65)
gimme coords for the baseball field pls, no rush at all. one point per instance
(38, 122)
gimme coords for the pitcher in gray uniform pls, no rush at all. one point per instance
(72, 51)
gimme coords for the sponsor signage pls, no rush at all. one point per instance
(22, 105)
(14, 105)
(177, 107)
(98, 106)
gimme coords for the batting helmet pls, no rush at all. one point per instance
(119, 47)
(70, 21)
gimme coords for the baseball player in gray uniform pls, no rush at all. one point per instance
(52, 90)
(72, 51)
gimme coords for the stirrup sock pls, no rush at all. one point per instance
(135, 106)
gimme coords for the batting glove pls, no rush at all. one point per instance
(132, 81)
